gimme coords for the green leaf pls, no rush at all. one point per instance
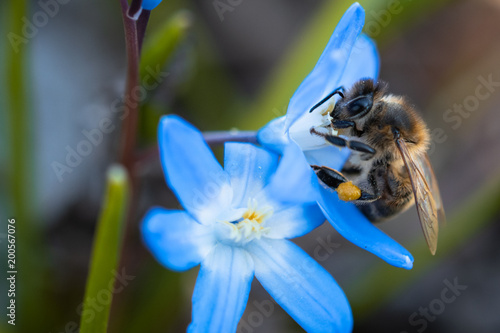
(106, 253)
(18, 189)
(161, 44)
(158, 49)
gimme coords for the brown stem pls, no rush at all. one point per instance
(131, 105)
(220, 137)
(214, 139)
(142, 23)
(134, 34)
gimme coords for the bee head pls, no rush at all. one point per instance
(359, 100)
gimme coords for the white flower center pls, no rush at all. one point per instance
(320, 119)
(251, 224)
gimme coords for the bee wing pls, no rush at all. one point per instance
(425, 201)
(426, 167)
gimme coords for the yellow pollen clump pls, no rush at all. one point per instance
(348, 191)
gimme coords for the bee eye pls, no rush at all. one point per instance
(359, 106)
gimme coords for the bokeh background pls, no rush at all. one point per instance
(237, 68)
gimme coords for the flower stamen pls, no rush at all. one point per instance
(251, 225)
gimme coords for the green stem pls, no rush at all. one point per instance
(101, 284)
(31, 254)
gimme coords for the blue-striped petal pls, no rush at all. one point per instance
(273, 135)
(326, 75)
(355, 227)
(330, 156)
(293, 181)
(221, 292)
(301, 286)
(363, 63)
(294, 220)
(175, 239)
(249, 169)
(191, 170)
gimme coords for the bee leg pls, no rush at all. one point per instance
(330, 177)
(339, 91)
(372, 180)
(346, 190)
(367, 151)
(343, 123)
(367, 197)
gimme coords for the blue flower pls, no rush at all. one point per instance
(150, 4)
(235, 228)
(348, 57)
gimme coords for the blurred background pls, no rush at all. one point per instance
(235, 64)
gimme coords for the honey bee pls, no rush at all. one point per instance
(389, 166)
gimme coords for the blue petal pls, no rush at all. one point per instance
(363, 63)
(175, 239)
(249, 169)
(221, 292)
(150, 4)
(191, 170)
(273, 136)
(301, 286)
(326, 75)
(355, 227)
(293, 181)
(294, 221)
(329, 156)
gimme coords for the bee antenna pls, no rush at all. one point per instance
(339, 91)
